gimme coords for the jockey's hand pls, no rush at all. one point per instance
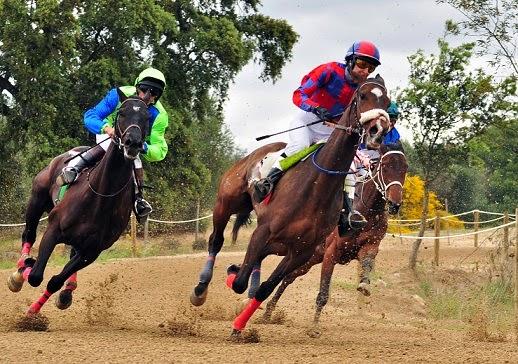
(110, 131)
(322, 113)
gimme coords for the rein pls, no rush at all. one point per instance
(106, 195)
(357, 129)
(118, 142)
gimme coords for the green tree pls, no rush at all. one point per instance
(58, 58)
(494, 23)
(446, 105)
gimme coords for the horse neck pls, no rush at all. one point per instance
(338, 152)
(112, 173)
(372, 202)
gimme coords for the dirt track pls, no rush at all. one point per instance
(138, 311)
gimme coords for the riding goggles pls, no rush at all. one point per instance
(153, 91)
(364, 64)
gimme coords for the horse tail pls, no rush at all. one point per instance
(242, 218)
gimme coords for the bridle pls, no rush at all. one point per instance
(378, 177)
(357, 127)
(119, 134)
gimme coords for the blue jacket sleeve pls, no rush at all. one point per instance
(391, 137)
(94, 117)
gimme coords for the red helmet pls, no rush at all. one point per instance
(364, 49)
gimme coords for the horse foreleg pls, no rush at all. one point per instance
(56, 282)
(255, 280)
(366, 258)
(286, 266)
(34, 275)
(64, 299)
(220, 219)
(237, 277)
(328, 266)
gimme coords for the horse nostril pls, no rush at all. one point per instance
(393, 208)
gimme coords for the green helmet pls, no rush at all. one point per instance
(393, 110)
(151, 77)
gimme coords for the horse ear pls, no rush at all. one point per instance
(380, 79)
(122, 96)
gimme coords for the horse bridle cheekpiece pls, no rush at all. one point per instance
(378, 179)
(118, 138)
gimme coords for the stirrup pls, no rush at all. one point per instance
(142, 208)
(356, 220)
(261, 189)
(68, 175)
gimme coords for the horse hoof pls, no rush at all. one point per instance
(199, 300)
(64, 299)
(233, 269)
(314, 332)
(363, 288)
(15, 281)
(235, 336)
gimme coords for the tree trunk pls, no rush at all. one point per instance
(417, 243)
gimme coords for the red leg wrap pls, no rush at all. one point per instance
(242, 319)
(36, 306)
(26, 273)
(230, 280)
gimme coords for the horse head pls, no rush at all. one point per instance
(389, 175)
(131, 125)
(368, 111)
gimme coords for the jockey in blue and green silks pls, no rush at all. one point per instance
(149, 86)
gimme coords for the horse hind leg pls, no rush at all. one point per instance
(216, 239)
(39, 202)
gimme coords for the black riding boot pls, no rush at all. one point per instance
(265, 185)
(350, 218)
(142, 207)
(70, 173)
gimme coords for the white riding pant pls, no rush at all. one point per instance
(359, 164)
(304, 137)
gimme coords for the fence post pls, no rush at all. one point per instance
(476, 216)
(197, 220)
(146, 231)
(437, 228)
(516, 275)
(447, 221)
(133, 235)
(506, 235)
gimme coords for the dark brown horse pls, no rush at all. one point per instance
(93, 213)
(303, 208)
(381, 187)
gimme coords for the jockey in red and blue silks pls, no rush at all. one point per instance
(324, 94)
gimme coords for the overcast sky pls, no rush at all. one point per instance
(326, 30)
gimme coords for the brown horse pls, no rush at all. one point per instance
(382, 186)
(93, 213)
(303, 208)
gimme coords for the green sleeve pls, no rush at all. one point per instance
(157, 146)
